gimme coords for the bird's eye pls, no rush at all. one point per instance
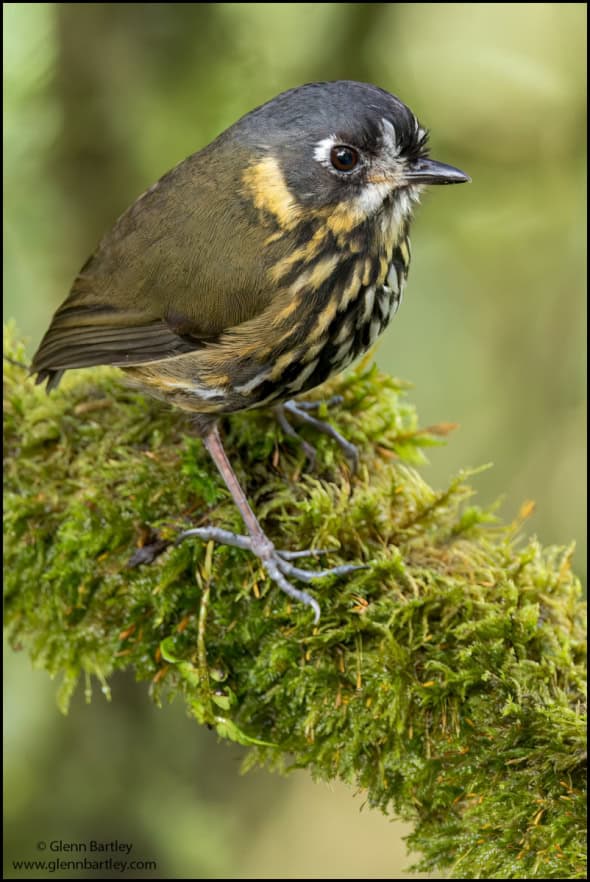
(343, 158)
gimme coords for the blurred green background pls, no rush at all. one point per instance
(100, 100)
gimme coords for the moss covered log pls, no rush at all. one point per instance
(445, 680)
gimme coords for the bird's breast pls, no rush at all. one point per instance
(324, 329)
(331, 310)
(369, 313)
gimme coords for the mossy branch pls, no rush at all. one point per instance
(446, 680)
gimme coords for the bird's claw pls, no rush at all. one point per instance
(147, 553)
(299, 410)
(334, 401)
(276, 563)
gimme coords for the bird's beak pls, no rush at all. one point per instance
(428, 171)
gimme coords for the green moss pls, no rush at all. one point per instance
(446, 680)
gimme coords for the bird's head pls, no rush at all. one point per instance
(337, 146)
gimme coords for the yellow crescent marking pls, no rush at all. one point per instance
(352, 289)
(266, 184)
(324, 318)
(283, 362)
(285, 312)
(304, 254)
(316, 275)
(367, 268)
(344, 219)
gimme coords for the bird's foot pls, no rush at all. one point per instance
(300, 411)
(276, 563)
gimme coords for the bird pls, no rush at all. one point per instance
(255, 269)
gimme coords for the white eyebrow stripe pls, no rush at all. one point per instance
(323, 149)
(389, 137)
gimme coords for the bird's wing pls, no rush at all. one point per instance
(85, 331)
(178, 269)
(76, 343)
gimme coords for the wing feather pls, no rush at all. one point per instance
(173, 274)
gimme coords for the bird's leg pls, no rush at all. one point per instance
(276, 563)
(299, 410)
